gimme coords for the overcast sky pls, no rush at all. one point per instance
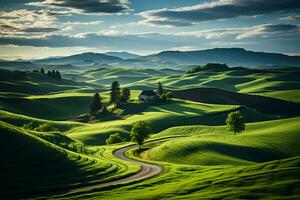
(34, 29)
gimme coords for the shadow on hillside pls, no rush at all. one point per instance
(266, 105)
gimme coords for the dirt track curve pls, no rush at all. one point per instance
(147, 171)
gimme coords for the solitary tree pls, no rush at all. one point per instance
(139, 132)
(42, 71)
(114, 138)
(125, 96)
(96, 104)
(160, 89)
(115, 93)
(235, 122)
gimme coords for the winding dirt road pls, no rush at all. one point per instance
(147, 171)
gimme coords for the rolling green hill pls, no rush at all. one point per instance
(105, 76)
(178, 112)
(31, 165)
(261, 142)
(204, 162)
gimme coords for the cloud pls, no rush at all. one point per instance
(21, 22)
(271, 30)
(109, 39)
(221, 9)
(87, 6)
(290, 17)
(83, 23)
(258, 31)
(105, 39)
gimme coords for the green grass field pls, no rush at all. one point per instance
(32, 165)
(261, 142)
(201, 159)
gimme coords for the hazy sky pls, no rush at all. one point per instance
(41, 28)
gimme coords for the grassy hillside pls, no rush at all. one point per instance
(158, 116)
(270, 180)
(38, 95)
(260, 103)
(105, 76)
(236, 79)
(261, 142)
(32, 165)
(21, 120)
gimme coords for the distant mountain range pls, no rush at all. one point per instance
(81, 59)
(230, 56)
(167, 59)
(124, 55)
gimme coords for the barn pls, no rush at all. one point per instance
(147, 95)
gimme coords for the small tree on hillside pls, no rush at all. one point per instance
(53, 74)
(42, 71)
(139, 132)
(57, 75)
(160, 89)
(115, 138)
(96, 104)
(115, 93)
(125, 96)
(235, 122)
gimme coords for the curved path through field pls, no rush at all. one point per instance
(148, 170)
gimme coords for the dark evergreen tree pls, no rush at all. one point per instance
(42, 71)
(115, 93)
(125, 96)
(49, 73)
(160, 89)
(96, 104)
(53, 74)
(57, 75)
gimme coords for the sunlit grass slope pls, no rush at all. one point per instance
(105, 76)
(159, 117)
(238, 80)
(21, 120)
(261, 142)
(266, 105)
(32, 166)
(38, 95)
(289, 95)
(35, 83)
(277, 179)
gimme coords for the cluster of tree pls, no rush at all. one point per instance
(118, 96)
(209, 66)
(54, 74)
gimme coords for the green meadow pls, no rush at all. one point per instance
(51, 145)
